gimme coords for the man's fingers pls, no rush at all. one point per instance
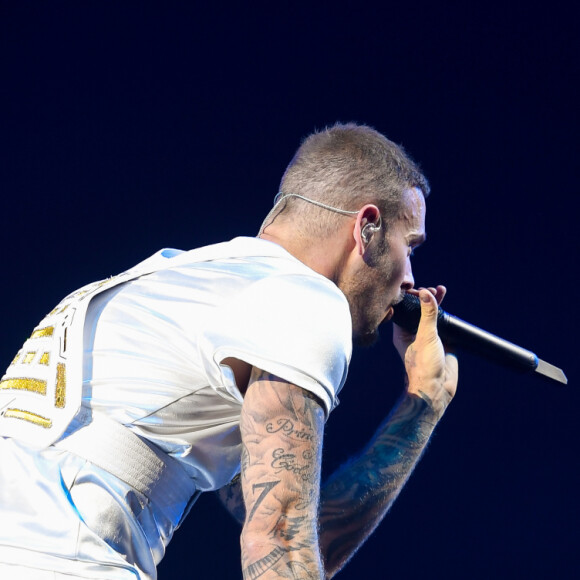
(428, 303)
(429, 311)
(440, 293)
(437, 291)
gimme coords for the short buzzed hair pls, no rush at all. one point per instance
(347, 166)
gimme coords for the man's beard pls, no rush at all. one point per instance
(365, 332)
(362, 299)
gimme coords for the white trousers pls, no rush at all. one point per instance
(13, 572)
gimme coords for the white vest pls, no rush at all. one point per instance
(41, 391)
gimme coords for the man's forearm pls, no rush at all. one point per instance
(281, 427)
(358, 495)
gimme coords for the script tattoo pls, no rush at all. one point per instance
(267, 486)
(281, 426)
(287, 461)
(286, 426)
(308, 498)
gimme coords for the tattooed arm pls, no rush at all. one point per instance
(281, 427)
(358, 495)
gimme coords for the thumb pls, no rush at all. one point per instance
(429, 311)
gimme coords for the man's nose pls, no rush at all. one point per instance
(408, 280)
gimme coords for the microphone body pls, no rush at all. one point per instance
(457, 332)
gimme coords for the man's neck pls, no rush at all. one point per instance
(324, 256)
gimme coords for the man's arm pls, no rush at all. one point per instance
(281, 427)
(358, 495)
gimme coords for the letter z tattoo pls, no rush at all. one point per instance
(268, 485)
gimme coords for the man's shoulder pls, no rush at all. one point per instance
(260, 262)
(240, 248)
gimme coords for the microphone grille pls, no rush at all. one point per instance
(407, 313)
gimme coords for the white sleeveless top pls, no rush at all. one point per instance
(152, 348)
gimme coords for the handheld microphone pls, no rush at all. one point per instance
(457, 332)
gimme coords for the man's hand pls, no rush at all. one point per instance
(359, 494)
(431, 371)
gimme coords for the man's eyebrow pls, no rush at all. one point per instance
(417, 239)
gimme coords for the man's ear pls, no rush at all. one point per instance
(368, 222)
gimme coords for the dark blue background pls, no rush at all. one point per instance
(130, 126)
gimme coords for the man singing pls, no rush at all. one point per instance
(216, 369)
